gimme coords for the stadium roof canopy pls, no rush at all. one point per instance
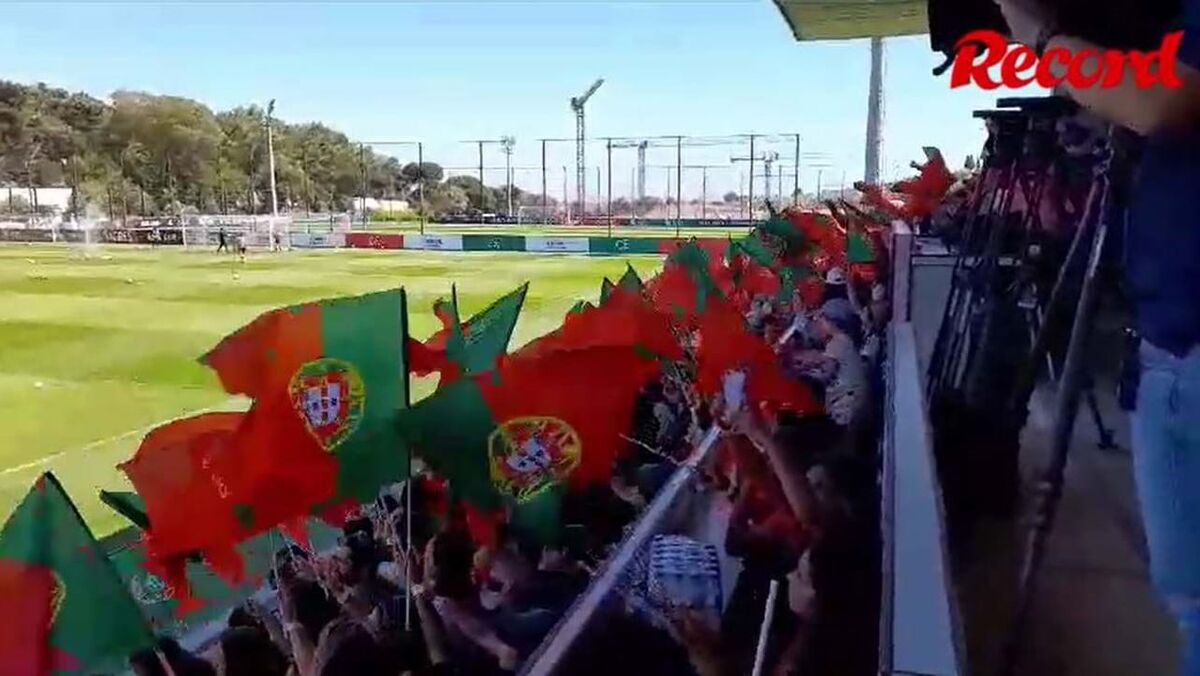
(848, 19)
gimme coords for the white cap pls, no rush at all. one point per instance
(835, 276)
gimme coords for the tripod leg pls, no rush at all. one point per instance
(1066, 406)
(1106, 443)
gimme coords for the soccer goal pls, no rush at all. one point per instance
(256, 233)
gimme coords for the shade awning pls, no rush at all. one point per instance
(849, 19)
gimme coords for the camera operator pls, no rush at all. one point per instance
(1162, 261)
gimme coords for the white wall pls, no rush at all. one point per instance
(59, 198)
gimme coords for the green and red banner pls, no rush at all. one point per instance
(65, 609)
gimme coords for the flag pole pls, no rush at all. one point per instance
(162, 662)
(764, 631)
(408, 487)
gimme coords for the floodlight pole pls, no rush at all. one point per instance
(874, 114)
(678, 181)
(362, 160)
(271, 166)
(507, 143)
(750, 207)
(482, 190)
(421, 181)
(609, 144)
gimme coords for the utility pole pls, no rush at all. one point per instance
(543, 219)
(704, 193)
(678, 181)
(271, 168)
(768, 160)
(796, 182)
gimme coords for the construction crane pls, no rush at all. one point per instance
(767, 159)
(577, 103)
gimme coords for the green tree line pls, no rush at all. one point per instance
(142, 154)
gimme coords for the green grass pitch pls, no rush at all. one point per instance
(96, 350)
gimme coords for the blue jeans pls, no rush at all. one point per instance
(1166, 465)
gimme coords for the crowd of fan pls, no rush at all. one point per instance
(802, 497)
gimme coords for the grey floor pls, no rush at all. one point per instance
(1095, 613)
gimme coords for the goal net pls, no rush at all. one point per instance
(256, 233)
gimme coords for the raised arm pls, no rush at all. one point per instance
(792, 479)
(1143, 110)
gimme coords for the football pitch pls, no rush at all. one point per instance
(96, 350)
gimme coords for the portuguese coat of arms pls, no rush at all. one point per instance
(329, 396)
(528, 455)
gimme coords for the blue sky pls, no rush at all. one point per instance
(447, 71)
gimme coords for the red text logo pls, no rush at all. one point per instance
(979, 52)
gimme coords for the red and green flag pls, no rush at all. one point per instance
(606, 289)
(128, 505)
(630, 281)
(475, 345)
(726, 345)
(626, 320)
(179, 473)
(579, 306)
(480, 341)
(535, 427)
(691, 278)
(327, 380)
(65, 609)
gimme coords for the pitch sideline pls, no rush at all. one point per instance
(47, 459)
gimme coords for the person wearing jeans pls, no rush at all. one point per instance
(1162, 254)
(1166, 464)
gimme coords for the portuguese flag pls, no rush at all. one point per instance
(65, 609)
(536, 426)
(128, 505)
(180, 474)
(327, 379)
(606, 289)
(691, 279)
(579, 306)
(630, 281)
(726, 345)
(626, 319)
(472, 346)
